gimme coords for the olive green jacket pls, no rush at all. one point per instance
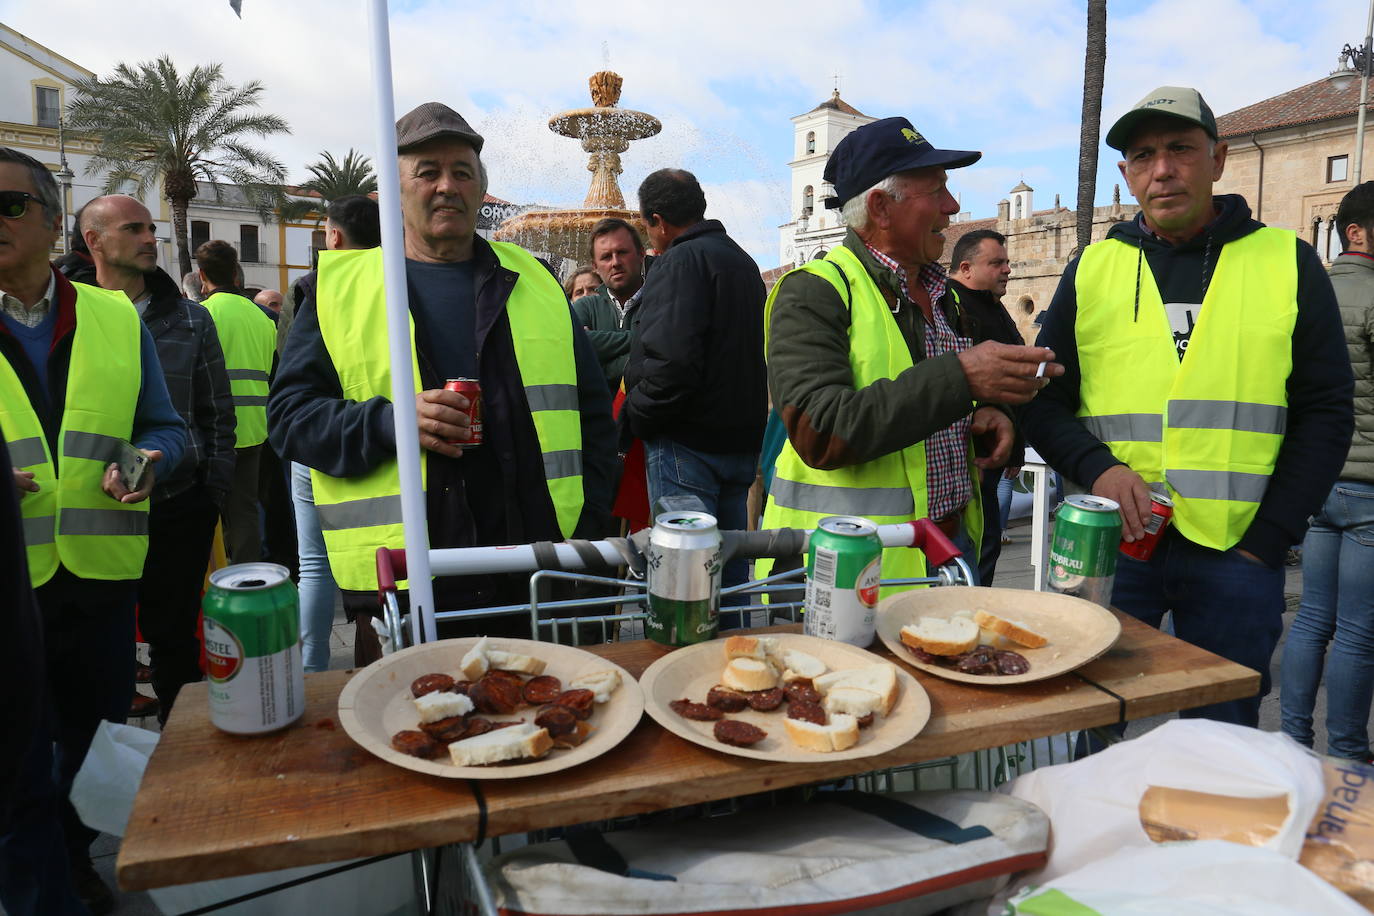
(1352, 277)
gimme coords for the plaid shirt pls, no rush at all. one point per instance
(948, 488)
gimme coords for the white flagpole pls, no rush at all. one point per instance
(398, 327)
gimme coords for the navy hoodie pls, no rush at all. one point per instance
(1320, 386)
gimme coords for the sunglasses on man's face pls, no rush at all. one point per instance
(14, 204)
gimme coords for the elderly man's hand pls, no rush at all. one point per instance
(114, 486)
(443, 421)
(1125, 487)
(1005, 373)
(992, 426)
(24, 482)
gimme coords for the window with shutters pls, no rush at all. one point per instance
(248, 243)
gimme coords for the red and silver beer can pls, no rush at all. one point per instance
(1161, 510)
(471, 389)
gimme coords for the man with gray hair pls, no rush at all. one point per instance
(872, 367)
(481, 310)
(190, 285)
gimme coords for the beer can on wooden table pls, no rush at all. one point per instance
(843, 566)
(684, 562)
(1087, 534)
(471, 389)
(253, 649)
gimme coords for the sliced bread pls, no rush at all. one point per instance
(516, 742)
(940, 636)
(514, 661)
(798, 665)
(749, 674)
(601, 683)
(441, 705)
(475, 664)
(1017, 632)
(879, 679)
(840, 733)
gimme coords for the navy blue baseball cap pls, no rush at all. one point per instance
(874, 151)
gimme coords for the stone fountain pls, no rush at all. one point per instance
(606, 131)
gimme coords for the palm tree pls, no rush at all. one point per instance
(1094, 65)
(331, 180)
(157, 126)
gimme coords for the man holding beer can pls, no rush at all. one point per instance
(872, 365)
(1204, 361)
(485, 312)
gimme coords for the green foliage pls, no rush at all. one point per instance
(331, 179)
(158, 126)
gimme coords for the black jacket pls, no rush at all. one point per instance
(1320, 385)
(985, 318)
(495, 494)
(193, 363)
(696, 373)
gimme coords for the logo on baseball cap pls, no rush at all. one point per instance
(1169, 101)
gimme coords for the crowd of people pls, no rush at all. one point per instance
(1193, 351)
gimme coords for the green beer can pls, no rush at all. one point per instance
(253, 649)
(1087, 535)
(684, 560)
(844, 563)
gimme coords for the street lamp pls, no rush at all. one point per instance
(1358, 62)
(64, 177)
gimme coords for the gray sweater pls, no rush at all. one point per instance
(1352, 276)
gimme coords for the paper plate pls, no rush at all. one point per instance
(376, 704)
(688, 673)
(1078, 631)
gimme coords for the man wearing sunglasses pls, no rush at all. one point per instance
(79, 378)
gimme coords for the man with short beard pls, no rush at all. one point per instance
(608, 314)
(121, 237)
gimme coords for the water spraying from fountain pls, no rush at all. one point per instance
(605, 131)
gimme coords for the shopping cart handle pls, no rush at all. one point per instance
(938, 548)
(391, 568)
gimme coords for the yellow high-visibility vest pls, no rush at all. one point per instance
(889, 489)
(1206, 429)
(70, 520)
(360, 514)
(249, 339)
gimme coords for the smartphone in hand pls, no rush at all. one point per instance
(133, 466)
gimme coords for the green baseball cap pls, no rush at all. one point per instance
(1170, 101)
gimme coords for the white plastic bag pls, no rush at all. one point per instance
(1093, 803)
(1205, 878)
(103, 795)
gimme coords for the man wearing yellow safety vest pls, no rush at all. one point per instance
(479, 309)
(79, 383)
(249, 340)
(871, 366)
(1204, 360)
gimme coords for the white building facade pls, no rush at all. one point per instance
(814, 230)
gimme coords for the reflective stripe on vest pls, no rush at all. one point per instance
(248, 339)
(1209, 426)
(891, 488)
(360, 514)
(70, 520)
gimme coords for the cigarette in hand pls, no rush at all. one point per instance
(1040, 371)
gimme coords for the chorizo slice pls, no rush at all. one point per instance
(543, 689)
(737, 733)
(495, 695)
(697, 712)
(579, 701)
(575, 737)
(1009, 662)
(477, 726)
(798, 692)
(430, 683)
(447, 730)
(416, 744)
(766, 700)
(807, 712)
(557, 720)
(726, 699)
(865, 720)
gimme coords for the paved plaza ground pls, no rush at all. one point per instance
(1013, 571)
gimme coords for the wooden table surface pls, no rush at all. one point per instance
(214, 805)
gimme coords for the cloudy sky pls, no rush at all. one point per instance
(724, 76)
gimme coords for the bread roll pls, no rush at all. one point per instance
(749, 674)
(474, 664)
(841, 733)
(1018, 633)
(880, 679)
(939, 636)
(441, 705)
(758, 647)
(854, 701)
(516, 742)
(797, 664)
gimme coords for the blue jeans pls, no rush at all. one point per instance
(1219, 601)
(317, 588)
(1004, 491)
(1337, 600)
(721, 482)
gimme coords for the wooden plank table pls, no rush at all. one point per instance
(214, 805)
